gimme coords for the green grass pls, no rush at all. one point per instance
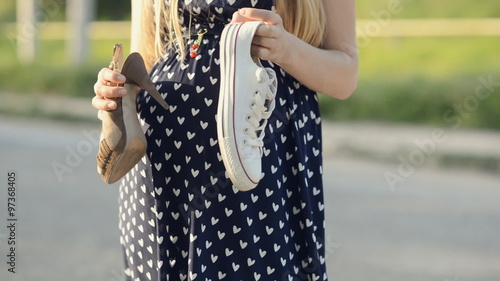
(416, 100)
(52, 72)
(419, 80)
(429, 8)
(413, 80)
(365, 9)
(416, 80)
(436, 58)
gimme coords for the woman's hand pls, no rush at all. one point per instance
(331, 69)
(271, 41)
(102, 89)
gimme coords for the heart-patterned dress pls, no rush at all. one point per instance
(180, 216)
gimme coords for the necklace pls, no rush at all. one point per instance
(193, 51)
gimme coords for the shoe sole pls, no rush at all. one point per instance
(120, 163)
(226, 107)
(132, 145)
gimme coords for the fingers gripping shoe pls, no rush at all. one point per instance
(246, 101)
(122, 141)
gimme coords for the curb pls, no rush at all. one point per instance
(414, 146)
(401, 144)
(47, 106)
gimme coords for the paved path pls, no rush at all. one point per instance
(478, 149)
(435, 225)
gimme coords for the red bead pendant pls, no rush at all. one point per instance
(196, 44)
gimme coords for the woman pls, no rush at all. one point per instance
(180, 216)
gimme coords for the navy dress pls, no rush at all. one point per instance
(180, 216)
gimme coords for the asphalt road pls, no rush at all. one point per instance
(437, 225)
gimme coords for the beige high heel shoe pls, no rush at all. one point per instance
(122, 141)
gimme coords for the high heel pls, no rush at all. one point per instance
(122, 141)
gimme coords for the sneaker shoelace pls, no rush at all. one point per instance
(262, 107)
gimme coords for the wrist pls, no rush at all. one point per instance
(289, 52)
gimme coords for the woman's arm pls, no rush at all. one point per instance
(332, 70)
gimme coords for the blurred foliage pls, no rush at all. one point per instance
(113, 10)
(51, 72)
(429, 8)
(419, 100)
(120, 10)
(417, 80)
(7, 11)
(106, 10)
(424, 80)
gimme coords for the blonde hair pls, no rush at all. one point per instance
(304, 18)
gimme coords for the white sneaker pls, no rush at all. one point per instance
(246, 100)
